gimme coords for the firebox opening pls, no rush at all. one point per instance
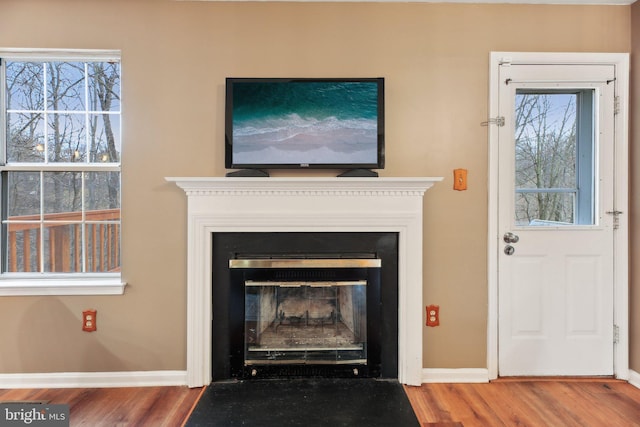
(307, 323)
(305, 311)
(297, 308)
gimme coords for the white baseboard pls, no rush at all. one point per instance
(480, 375)
(94, 379)
(179, 378)
(634, 378)
(463, 375)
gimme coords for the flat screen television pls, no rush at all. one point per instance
(284, 123)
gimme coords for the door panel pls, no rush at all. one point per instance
(528, 296)
(583, 312)
(555, 284)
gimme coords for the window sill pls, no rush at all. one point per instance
(11, 285)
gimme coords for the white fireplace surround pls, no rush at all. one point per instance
(304, 205)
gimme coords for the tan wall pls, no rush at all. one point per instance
(175, 56)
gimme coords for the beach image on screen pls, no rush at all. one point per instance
(303, 122)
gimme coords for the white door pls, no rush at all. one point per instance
(556, 219)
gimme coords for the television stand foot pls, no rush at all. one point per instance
(248, 173)
(358, 173)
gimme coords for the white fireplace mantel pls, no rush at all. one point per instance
(297, 205)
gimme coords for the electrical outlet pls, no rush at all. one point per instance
(89, 320)
(433, 315)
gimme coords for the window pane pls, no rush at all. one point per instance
(23, 195)
(24, 244)
(63, 194)
(62, 247)
(103, 247)
(25, 86)
(105, 138)
(102, 190)
(65, 86)
(104, 86)
(554, 157)
(545, 140)
(67, 138)
(545, 208)
(25, 137)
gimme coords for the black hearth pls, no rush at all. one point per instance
(305, 304)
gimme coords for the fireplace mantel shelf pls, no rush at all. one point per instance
(309, 204)
(316, 186)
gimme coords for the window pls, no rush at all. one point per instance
(555, 157)
(60, 168)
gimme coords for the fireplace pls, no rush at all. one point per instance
(301, 205)
(305, 304)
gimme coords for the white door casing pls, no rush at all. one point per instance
(552, 291)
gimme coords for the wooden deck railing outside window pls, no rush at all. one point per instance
(64, 242)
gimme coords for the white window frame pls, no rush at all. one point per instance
(24, 284)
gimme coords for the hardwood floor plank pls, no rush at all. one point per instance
(613, 402)
(549, 402)
(471, 404)
(428, 402)
(513, 412)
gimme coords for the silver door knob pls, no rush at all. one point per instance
(509, 237)
(509, 250)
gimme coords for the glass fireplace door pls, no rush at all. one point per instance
(309, 315)
(305, 322)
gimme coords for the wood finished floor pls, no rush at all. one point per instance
(123, 407)
(528, 402)
(518, 402)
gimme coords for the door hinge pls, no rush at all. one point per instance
(616, 334)
(616, 218)
(616, 105)
(498, 121)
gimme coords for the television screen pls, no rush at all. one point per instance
(304, 123)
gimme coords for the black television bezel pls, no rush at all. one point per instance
(229, 164)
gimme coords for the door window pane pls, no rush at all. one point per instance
(541, 208)
(554, 157)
